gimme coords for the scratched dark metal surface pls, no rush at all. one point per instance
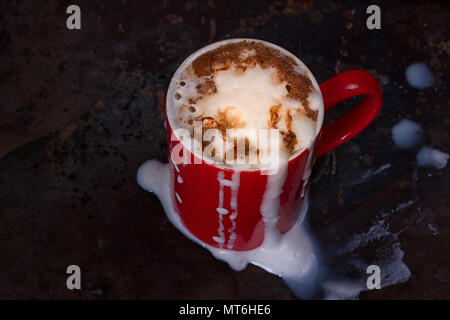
(81, 110)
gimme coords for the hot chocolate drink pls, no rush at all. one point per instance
(238, 89)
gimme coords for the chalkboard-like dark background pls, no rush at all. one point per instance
(81, 110)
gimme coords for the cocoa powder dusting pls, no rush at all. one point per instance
(289, 140)
(222, 58)
(207, 88)
(211, 123)
(288, 120)
(203, 65)
(274, 116)
(228, 119)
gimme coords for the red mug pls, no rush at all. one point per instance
(222, 206)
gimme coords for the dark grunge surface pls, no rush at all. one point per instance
(81, 110)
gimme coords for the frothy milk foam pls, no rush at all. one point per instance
(247, 84)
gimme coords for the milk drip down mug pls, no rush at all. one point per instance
(222, 206)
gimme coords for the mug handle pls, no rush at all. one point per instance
(339, 88)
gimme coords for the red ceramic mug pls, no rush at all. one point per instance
(225, 214)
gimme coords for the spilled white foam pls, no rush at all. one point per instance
(419, 76)
(342, 290)
(429, 157)
(288, 255)
(351, 280)
(293, 256)
(406, 134)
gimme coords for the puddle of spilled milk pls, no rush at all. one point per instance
(293, 256)
(290, 256)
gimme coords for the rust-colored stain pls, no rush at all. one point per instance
(67, 132)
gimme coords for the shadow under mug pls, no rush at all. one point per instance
(222, 207)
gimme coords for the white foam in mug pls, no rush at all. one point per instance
(240, 85)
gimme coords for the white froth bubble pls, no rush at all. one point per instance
(420, 76)
(406, 134)
(315, 100)
(429, 157)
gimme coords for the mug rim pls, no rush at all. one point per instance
(211, 46)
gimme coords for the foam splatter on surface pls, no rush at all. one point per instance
(336, 272)
(429, 157)
(420, 76)
(406, 134)
(347, 255)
